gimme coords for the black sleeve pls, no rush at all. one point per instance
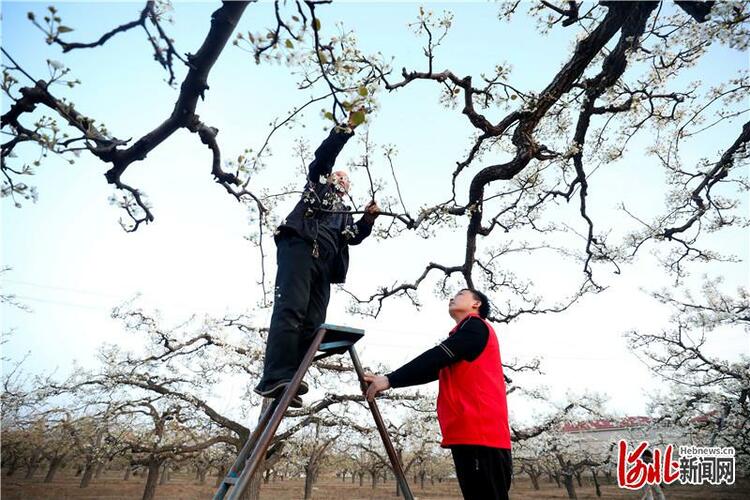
(464, 345)
(355, 232)
(325, 155)
(469, 341)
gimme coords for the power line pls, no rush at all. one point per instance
(53, 287)
(61, 303)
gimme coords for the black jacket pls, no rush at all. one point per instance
(319, 196)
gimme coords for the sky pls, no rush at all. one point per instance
(71, 262)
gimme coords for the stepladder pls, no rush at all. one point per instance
(328, 340)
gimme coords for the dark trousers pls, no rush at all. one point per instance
(483, 473)
(300, 300)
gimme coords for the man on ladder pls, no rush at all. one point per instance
(312, 252)
(472, 409)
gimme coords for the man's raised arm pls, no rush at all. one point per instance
(325, 155)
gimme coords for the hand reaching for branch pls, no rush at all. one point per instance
(356, 117)
(377, 384)
(372, 210)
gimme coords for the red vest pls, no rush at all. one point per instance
(471, 403)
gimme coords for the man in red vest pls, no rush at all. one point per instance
(471, 406)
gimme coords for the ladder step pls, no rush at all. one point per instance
(338, 339)
(230, 480)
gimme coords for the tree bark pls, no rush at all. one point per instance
(152, 478)
(54, 466)
(253, 489)
(128, 471)
(534, 479)
(99, 469)
(164, 474)
(310, 474)
(31, 469)
(569, 486)
(12, 467)
(596, 482)
(88, 473)
(220, 475)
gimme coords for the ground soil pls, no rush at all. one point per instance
(111, 486)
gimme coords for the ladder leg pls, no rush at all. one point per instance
(264, 440)
(234, 471)
(392, 455)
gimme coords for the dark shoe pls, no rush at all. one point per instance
(277, 389)
(296, 402)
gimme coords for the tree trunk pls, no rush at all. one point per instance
(202, 475)
(421, 479)
(88, 473)
(374, 476)
(152, 479)
(99, 469)
(569, 486)
(361, 478)
(398, 488)
(534, 479)
(578, 479)
(220, 475)
(12, 465)
(253, 488)
(164, 474)
(31, 469)
(596, 482)
(128, 471)
(310, 473)
(54, 466)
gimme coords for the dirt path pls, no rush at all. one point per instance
(111, 486)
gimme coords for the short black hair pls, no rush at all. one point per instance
(484, 309)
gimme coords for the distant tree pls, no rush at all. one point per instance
(708, 394)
